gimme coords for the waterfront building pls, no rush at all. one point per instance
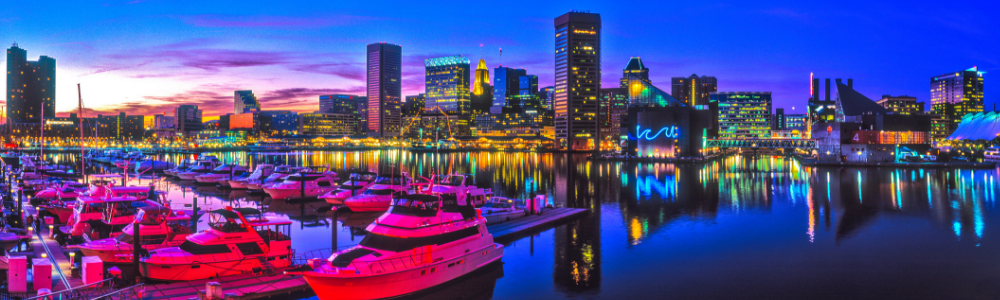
(424, 126)
(693, 90)
(506, 88)
(668, 131)
(634, 67)
(641, 92)
(384, 89)
(577, 80)
(31, 91)
(514, 124)
(188, 120)
(69, 127)
(904, 105)
(953, 95)
(120, 127)
(447, 85)
(823, 109)
(482, 90)
(328, 124)
(414, 105)
(245, 101)
(982, 128)
(613, 111)
(778, 121)
(744, 115)
(161, 125)
(281, 122)
(346, 104)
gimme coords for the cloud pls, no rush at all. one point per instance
(208, 59)
(306, 99)
(354, 71)
(273, 21)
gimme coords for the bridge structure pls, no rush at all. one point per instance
(761, 143)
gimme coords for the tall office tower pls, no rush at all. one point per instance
(414, 105)
(578, 80)
(506, 87)
(614, 108)
(30, 86)
(634, 67)
(188, 119)
(482, 90)
(447, 85)
(693, 90)
(527, 95)
(356, 106)
(953, 95)
(384, 87)
(744, 115)
(245, 101)
(545, 95)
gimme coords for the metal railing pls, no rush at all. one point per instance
(90, 291)
(369, 267)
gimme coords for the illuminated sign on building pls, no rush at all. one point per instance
(53, 122)
(667, 131)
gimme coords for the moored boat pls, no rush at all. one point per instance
(202, 167)
(356, 184)
(221, 174)
(262, 171)
(160, 228)
(302, 185)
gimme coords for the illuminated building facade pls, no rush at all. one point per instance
(414, 105)
(693, 90)
(282, 122)
(446, 126)
(346, 104)
(614, 108)
(577, 80)
(822, 109)
(384, 87)
(322, 123)
(506, 88)
(904, 105)
(188, 120)
(245, 101)
(31, 91)
(447, 84)
(482, 90)
(545, 97)
(668, 131)
(120, 127)
(744, 115)
(953, 95)
(643, 93)
(634, 67)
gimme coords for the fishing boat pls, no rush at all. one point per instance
(421, 242)
(356, 184)
(379, 195)
(204, 166)
(221, 174)
(262, 171)
(238, 241)
(160, 227)
(302, 185)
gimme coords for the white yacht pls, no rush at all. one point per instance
(221, 174)
(262, 171)
(421, 242)
(279, 175)
(160, 228)
(302, 185)
(202, 167)
(379, 195)
(356, 184)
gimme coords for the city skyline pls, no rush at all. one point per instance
(290, 57)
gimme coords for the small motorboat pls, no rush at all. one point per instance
(262, 171)
(160, 228)
(202, 167)
(221, 174)
(152, 165)
(279, 175)
(356, 184)
(379, 195)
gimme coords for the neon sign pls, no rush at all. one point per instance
(667, 131)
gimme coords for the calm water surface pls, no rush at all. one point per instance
(742, 227)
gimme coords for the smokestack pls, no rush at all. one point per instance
(839, 82)
(815, 89)
(850, 83)
(827, 90)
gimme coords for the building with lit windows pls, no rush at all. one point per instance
(693, 90)
(641, 92)
(904, 105)
(384, 64)
(634, 67)
(823, 109)
(744, 115)
(613, 111)
(545, 96)
(482, 89)
(283, 122)
(447, 85)
(506, 89)
(414, 105)
(121, 127)
(953, 95)
(577, 81)
(31, 91)
(188, 120)
(327, 124)
(446, 126)
(245, 101)
(346, 104)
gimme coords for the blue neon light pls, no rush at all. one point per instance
(668, 132)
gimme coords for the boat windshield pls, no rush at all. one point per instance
(389, 180)
(382, 192)
(348, 187)
(124, 238)
(452, 180)
(221, 223)
(399, 244)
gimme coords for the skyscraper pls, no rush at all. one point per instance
(578, 80)
(447, 84)
(30, 86)
(482, 89)
(634, 67)
(953, 95)
(614, 108)
(356, 106)
(693, 90)
(414, 105)
(188, 119)
(744, 115)
(506, 87)
(384, 87)
(245, 101)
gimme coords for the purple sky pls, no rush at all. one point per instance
(146, 57)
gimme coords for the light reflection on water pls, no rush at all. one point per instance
(740, 227)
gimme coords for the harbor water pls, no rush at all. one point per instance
(741, 227)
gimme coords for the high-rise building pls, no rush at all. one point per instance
(280, 122)
(744, 115)
(634, 67)
(506, 88)
(953, 95)
(414, 105)
(482, 89)
(188, 120)
(903, 105)
(693, 90)
(321, 123)
(245, 101)
(447, 85)
(121, 127)
(545, 96)
(614, 108)
(778, 121)
(31, 90)
(384, 88)
(578, 80)
(346, 104)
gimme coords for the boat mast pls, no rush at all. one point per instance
(83, 162)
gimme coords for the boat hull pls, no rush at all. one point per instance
(394, 284)
(238, 184)
(284, 194)
(186, 272)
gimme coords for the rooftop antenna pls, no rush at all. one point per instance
(480, 51)
(500, 60)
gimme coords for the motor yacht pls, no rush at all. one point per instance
(302, 185)
(66, 190)
(279, 174)
(501, 209)
(421, 242)
(152, 165)
(159, 227)
(356, 184)
(116, 207)
(379, 195)
(262, 171)
(238, 241)
(204, 166)
(100, 187)
(221, 174)
(182, 167)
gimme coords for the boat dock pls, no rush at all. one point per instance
(510, 230)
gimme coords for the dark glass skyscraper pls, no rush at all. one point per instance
(188, 120)
(506, 86)
(447, 85)
(693, 90)
(384, 87)
(30, 86)
(245, 101)
(578, 80)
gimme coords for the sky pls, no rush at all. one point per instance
(148, 56)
